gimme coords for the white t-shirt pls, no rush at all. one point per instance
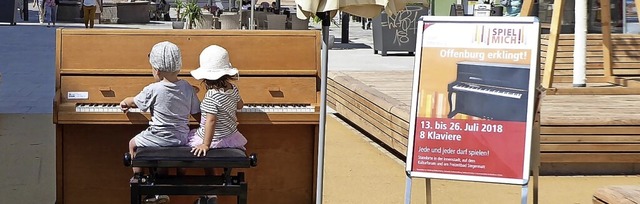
(90, 2)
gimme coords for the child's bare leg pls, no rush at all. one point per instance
(132, 151)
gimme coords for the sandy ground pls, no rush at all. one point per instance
(357, 171)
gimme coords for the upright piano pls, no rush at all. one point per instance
(96, 69)
(493, 91)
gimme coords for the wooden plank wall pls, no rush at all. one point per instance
(625, 54)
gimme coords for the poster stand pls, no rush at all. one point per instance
(531, 168)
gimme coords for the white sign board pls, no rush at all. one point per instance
(473, 96)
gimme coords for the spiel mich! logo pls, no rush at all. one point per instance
(489, 35)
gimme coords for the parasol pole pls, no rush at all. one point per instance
(251, 22)
(580, 44)
(326, 22)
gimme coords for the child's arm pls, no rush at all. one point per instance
(240, 104)
(127, 103)
(209, 129)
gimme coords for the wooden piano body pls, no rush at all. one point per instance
(276, 67)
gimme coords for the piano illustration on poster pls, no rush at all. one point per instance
(492, 91)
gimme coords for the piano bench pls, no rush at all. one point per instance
(181, 157)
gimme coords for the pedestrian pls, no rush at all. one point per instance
(51, 11)
(40, 5)
(512, 7)
(89, 11)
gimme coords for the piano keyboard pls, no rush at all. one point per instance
(485, 90)
(278, 108)
(102, 108)
(283, 108)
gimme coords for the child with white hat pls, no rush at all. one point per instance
(218, 126)
(169, 99)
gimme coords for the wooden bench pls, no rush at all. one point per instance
(590, 128)
(623, 194)
(574, 129)
(380, 114)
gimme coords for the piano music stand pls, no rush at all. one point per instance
(181, 157)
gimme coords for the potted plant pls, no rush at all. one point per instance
(192, 14)
(179, 22)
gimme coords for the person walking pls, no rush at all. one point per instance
(40, 5)
(51, 11)
(89, 11)
(512, 7)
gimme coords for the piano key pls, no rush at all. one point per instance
(478, 89)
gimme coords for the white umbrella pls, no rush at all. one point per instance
(325, 9)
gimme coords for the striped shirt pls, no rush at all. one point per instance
(223, 104)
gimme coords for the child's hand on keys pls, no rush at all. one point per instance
(123, 106)
(200, 150)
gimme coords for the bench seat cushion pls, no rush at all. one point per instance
(182, 157)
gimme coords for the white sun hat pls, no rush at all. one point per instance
(214, 63)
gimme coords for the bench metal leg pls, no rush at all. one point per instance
(135, 191)
(242, 198)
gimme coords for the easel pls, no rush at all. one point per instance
(534, 159)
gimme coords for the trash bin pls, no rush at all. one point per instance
(398, 32)
(8, 11)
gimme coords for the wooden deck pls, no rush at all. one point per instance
(574, 128)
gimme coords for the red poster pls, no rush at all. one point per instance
(473, 99)
(469, 147)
